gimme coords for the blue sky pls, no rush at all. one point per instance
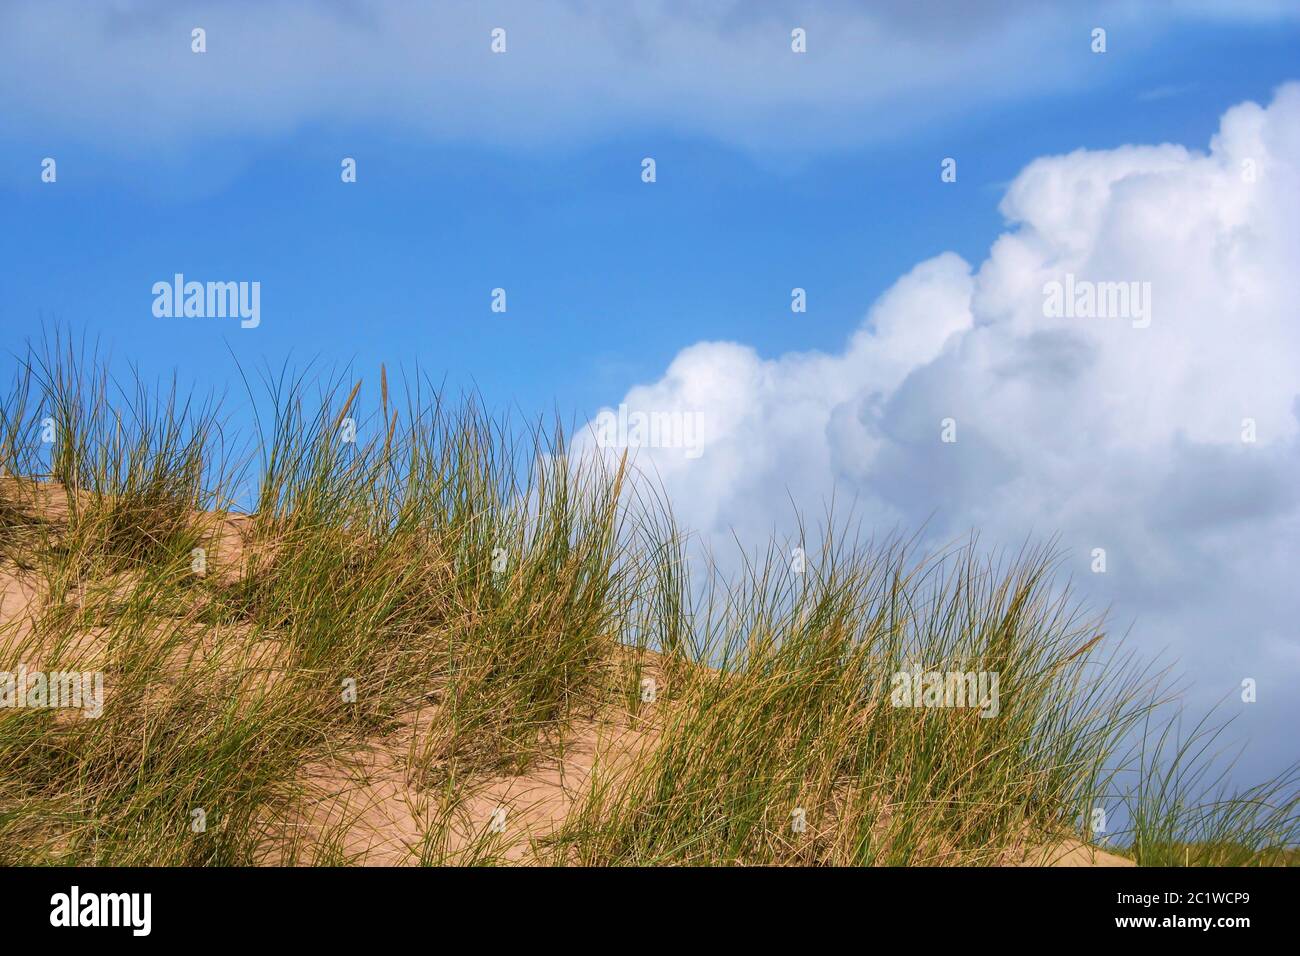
(606, 277)
(775, 170)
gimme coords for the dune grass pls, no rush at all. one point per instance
(411, 568)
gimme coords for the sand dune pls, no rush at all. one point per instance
(368, 802)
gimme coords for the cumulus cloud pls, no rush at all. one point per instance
(121, 74)
(1101, 430)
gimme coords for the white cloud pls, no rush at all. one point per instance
(1111, 435)
(121, 76)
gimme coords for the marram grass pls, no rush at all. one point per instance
(423, 593)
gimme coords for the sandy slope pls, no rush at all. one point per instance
(369, 797)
